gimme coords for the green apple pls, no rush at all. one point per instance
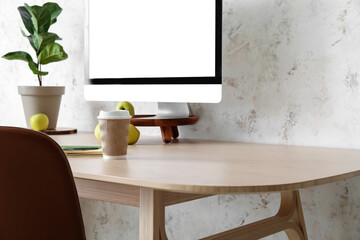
(134, 135)
(126, 106)
(39, 122)
(97, 132)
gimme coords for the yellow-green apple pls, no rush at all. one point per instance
(126, 106)
(39, 122)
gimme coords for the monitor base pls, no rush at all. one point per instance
(172, 110)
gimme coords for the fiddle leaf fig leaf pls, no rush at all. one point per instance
(54, 10)
(26, 18)
(34, 69)
(23, 33)
(30, 38)
(24, 56)
(40, 17)
(43, 39)
(52, 52)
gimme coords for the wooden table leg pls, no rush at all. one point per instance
(290, 219)
(152, 215)
(294, 213)
(163, 235)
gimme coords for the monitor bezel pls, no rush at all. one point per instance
(217, 79)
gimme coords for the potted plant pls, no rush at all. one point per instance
(39, 99)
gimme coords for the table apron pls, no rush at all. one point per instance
(125, 194)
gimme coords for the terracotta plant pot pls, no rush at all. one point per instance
(45, 100)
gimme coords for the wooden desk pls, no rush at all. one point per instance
(156, 175)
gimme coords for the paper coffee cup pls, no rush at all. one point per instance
(114, 132)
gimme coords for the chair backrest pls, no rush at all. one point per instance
(38, 197)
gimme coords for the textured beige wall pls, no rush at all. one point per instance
(291, 76)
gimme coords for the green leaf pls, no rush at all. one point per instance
(43, 39)
(54, 10)
(40, 17)
(24, 56)
(26, 18)
(23, 33)
(18, 56)
(30, 38)
(53, 21)
(52, 52)
(34, 69)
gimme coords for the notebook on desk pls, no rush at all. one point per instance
(82, 150)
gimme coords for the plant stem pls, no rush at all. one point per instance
(39, 77)
(39, 80)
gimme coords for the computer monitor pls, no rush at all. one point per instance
(154, 50)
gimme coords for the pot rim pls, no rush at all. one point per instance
(41, 91)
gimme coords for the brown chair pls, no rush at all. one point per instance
(38, 197)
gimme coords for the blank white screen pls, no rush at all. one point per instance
(151, 38)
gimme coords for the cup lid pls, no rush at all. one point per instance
(117, 114)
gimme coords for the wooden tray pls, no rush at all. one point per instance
(60, 131)
(169, 127)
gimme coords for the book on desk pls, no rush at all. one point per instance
(81, 150)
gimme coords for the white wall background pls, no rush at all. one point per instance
(291, 76)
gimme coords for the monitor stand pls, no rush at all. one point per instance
(169, 117)
(172, 110)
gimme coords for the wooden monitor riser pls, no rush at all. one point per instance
(168, 127)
